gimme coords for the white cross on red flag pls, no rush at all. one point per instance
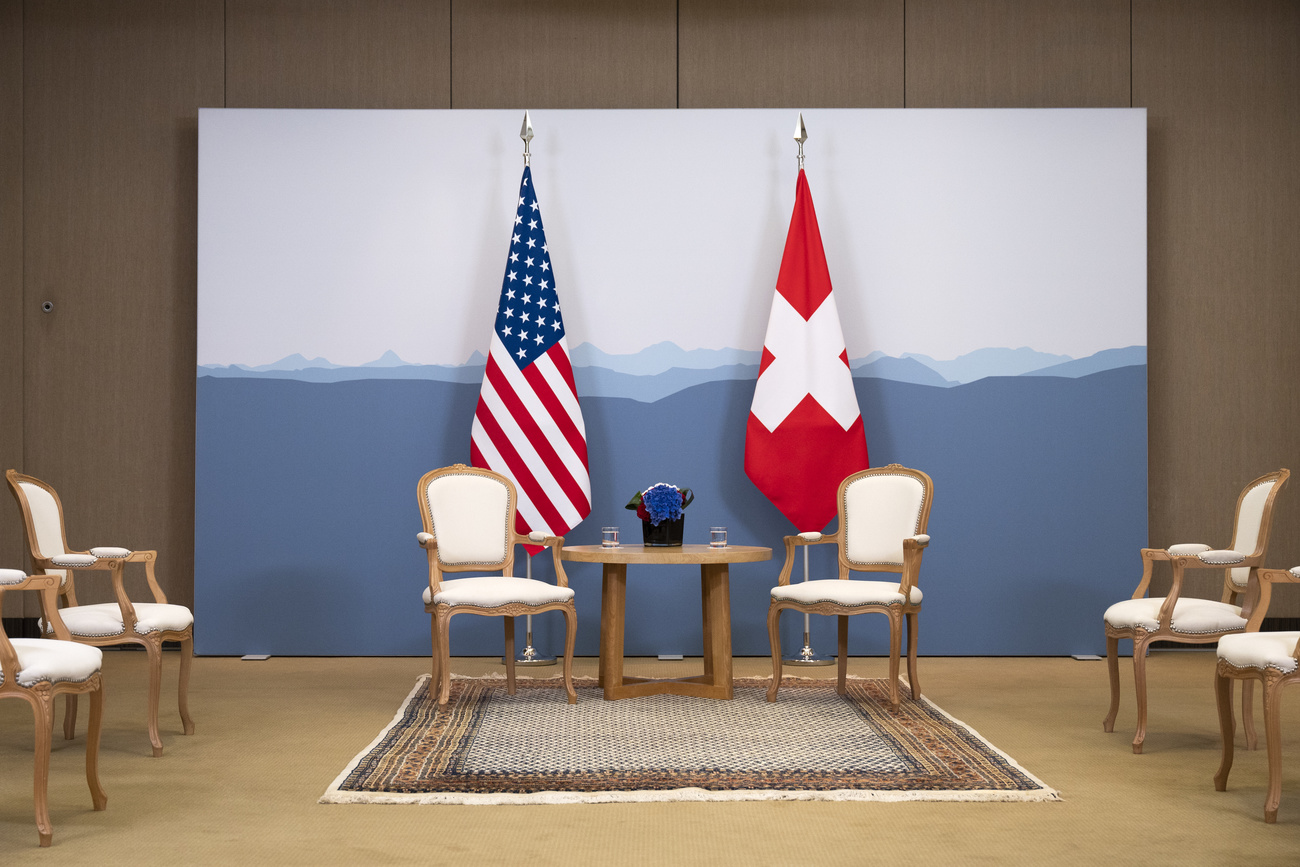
(805, 431)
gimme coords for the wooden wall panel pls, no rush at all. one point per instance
(338, 53)
(1017, 53)
(1220, 83)
(790, 54)
(111, 92)
(564, 54)
(13, 550)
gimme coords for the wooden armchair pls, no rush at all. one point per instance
(1189, 620)
(883, 517)
(38, 669)
(469, 526)
(1272, 658)
(122, 622)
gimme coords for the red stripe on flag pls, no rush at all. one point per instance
(542, 388)
(534, 434)
(561, 360)
(516, 465)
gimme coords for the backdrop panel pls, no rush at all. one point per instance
(990, 271)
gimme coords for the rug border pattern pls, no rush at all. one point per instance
(534, 789)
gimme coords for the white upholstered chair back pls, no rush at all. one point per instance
(47, 523)
(1250, 524)
(878, 509)
(471, 515)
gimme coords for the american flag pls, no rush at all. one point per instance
(528, 425)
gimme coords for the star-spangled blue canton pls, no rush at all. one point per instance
(528, 320)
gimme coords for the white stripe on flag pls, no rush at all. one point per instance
(549, 487)
(564, 390)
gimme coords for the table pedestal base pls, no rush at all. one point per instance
(716, 605)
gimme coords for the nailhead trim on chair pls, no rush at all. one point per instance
(509, 499)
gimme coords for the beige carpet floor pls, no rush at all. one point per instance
(271, 735)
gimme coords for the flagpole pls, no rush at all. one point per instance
(806, 656)
(529, 655)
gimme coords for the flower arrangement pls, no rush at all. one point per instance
(661, 502)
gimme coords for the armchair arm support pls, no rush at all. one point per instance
(913, 548)
(430, 546)
(48, 585)
(799, 541)
(123, 601)
(555, 543)
(1267, 578)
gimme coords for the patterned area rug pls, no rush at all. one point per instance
(487, 747)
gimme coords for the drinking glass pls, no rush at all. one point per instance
(609, 537)
(717, 537)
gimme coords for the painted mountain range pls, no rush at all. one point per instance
(665, 368)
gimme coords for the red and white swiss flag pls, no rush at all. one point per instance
(805, 431)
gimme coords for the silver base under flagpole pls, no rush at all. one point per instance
(530, 655)
(807, 656)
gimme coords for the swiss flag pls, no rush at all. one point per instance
(805, 431)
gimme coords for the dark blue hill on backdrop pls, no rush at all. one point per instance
(306, 511)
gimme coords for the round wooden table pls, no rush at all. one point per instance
(716, 603)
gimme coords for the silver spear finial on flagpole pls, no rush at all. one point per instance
(526, 133)
(801, 136)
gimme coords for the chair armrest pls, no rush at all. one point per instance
(48, 585)
(1267, 578)
(426, 540)
(1181, 562)
(1186, 548)
(1222, 557)
(921, 540)
(555, 543)
(802, 540)
(13, 579)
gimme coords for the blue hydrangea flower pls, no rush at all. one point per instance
(663, 502)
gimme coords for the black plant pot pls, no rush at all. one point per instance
(668, 534)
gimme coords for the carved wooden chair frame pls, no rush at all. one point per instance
(115, 566)
(1272, 680)
(441, 614)
(41, 697)
(1253, 608)
(896, 613)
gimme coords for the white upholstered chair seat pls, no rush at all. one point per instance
(493, 591)
(1260, 650)
(1191, 616)
(56, 661)
(99, 621)
(848, 592)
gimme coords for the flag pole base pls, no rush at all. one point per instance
(808, 656)
(530, 656)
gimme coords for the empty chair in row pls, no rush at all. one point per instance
(111, 623)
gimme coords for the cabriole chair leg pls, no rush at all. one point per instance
(1112, 665)
(774, 639)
